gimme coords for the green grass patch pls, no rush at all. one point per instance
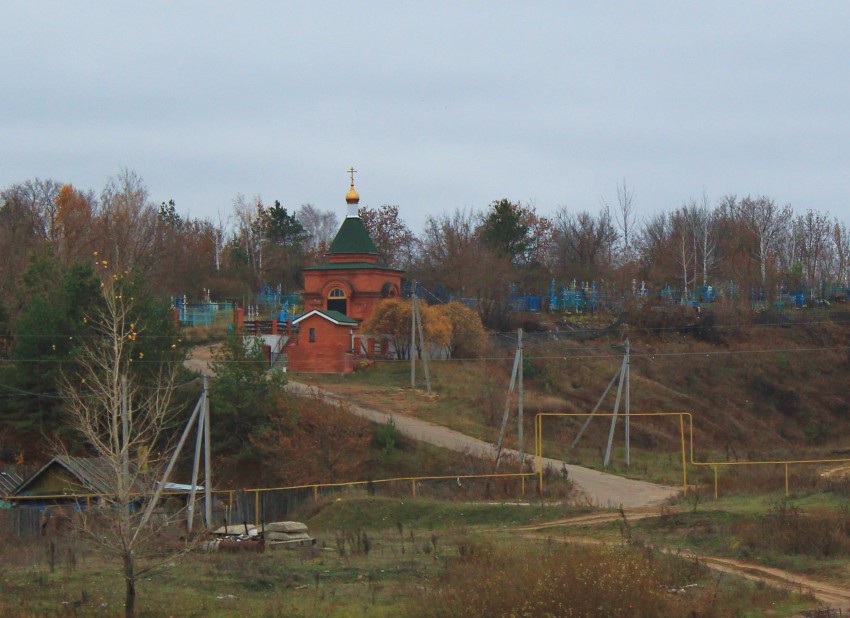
(420, 514)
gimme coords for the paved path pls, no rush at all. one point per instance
(601, 489)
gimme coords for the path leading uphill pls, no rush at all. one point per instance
(601, 489)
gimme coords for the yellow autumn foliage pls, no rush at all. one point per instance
(391, 317)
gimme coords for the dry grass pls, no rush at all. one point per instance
(582, 581)
(786, 528)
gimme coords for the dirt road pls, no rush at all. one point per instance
(829, 595)
(601, 489)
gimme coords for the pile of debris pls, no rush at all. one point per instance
(246, 537)
(288, 534)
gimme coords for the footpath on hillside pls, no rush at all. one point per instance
(601, 489)
(834, 596)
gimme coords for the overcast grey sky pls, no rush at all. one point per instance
(438, 105)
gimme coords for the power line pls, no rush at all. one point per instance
(650, 355)
(24, 393)
(539, 356)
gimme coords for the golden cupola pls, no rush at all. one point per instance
(352, 198)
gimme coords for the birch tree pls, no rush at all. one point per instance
(124, 422)
(767, 222)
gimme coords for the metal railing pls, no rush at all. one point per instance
(538, 436)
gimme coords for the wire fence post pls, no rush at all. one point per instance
(787, 493)
(684, 461)
(715, 482)
(539, 438)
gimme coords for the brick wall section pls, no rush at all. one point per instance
(330, 353)
(362, 288)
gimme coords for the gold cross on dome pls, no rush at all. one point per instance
(352, 171)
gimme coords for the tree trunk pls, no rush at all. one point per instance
(130, 586)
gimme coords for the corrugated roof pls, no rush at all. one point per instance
(9, 481)
(95, 474)
(352, 237)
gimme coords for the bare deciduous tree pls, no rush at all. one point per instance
(813, 241)
(39, 198)
(126, 223)
(395, 242)
(626, 219)
(703, 220)
(841, 241)
(767, 222)
(584, 244)
(683, 232)
(124, 423)
(321, 225)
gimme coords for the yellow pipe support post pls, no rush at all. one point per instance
(522, 485)
(539, 432)
(413, 485)
(256, 507)
(684, 462)
(315, 493)
(787, 493)
(715, 482)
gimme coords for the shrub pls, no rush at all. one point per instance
(387, 437)
(788, 529)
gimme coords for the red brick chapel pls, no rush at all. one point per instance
(338, 297)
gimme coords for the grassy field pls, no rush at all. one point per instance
(381, 557)
(809, 536)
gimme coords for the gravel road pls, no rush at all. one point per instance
(601, 489)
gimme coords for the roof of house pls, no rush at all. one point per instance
(9, 480)
(333, 316)
(352, 237)
(93, 473)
